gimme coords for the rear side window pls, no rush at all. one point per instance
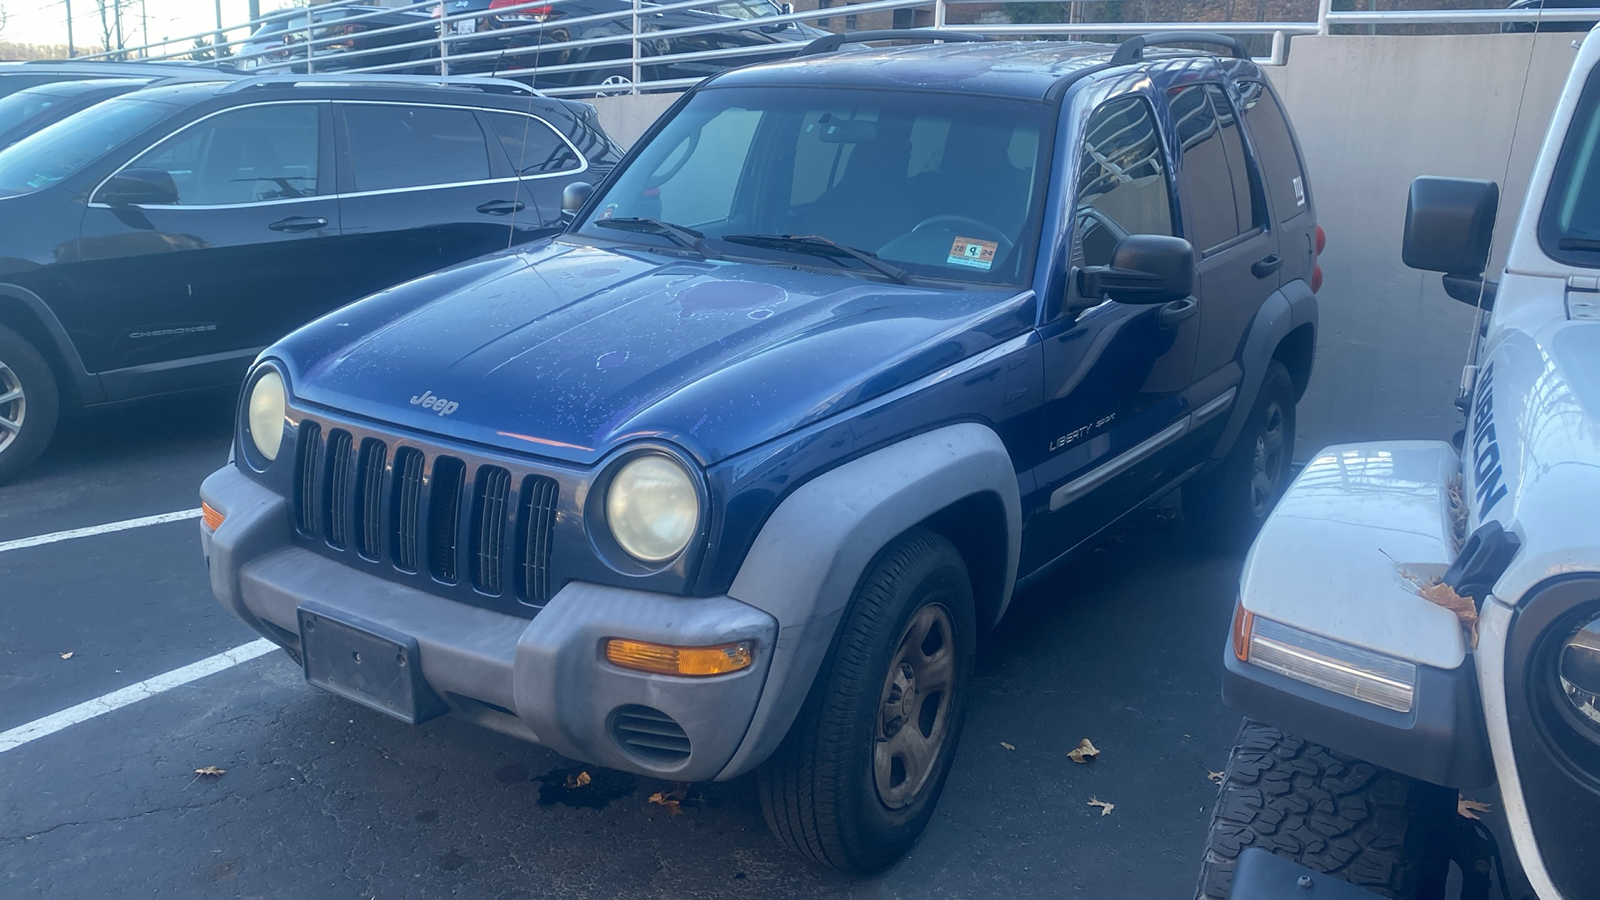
(533, 147)
(1219, 186)
(249, 155)
(414, 146)
(1122, 180)
(1274, 142)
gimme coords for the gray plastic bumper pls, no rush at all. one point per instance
(542, 679)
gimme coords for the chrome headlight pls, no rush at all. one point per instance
(264, 412)
(652, 508)
(1578, 668)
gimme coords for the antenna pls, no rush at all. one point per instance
(527, 122)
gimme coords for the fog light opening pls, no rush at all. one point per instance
(664, 659)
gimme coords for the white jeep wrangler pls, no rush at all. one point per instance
(1420, 618)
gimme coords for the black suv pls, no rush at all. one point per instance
(16, 76)
(31, 109)
(159, 240)
(728, 476)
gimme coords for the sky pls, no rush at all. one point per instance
(45, 21)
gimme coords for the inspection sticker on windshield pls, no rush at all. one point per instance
(971, 252)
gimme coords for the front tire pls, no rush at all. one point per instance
(1225, 508)
(1326, 811)
(857, 777)
(30, 404)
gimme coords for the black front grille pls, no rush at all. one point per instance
(337, 500)
(489, 527)
(432, 519)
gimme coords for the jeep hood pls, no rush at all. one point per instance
(566, 351)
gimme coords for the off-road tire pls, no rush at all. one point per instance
(818, 791)
(41, 397)
(1220, 506)
(1326, 811)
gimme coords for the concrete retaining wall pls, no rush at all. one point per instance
(1372, 113)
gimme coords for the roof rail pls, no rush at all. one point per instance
(831, 43)
(1132, 49)
(487, 85)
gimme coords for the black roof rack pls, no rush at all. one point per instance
(831, 43)
(487, 85)
(1132, 49)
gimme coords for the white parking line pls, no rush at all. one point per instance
(93, 530)
(133, 693)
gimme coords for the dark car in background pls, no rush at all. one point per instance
(26, 111)
(491, 32)
(157, 242)
(351, 37)
(16, 76)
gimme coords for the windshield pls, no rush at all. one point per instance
(748, 9)
(46, 157)
(939, 185)
(1569, 229)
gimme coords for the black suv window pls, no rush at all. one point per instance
(1122, 180)
(1218, 185)
(248, 155)
(533, 147)
(393, 146)
(1274, 143)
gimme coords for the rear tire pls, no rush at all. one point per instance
(857, 777)
(1225, 507)
(30, 404)
(1326, 811)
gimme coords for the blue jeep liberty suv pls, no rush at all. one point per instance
(729, 475)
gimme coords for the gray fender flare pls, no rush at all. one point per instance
(810, 556)
(85, 386)
(1290, 307)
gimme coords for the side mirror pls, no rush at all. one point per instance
(1145, 269)
(1449, 224)
(575, 195)
(788, 8)
(150, 187)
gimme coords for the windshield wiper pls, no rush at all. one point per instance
(817, 245)
(1572, 243)
(687, 238)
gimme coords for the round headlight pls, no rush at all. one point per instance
(652, 508)
(1579, 670)
(265, 414)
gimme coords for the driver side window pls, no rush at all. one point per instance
(1122, 180)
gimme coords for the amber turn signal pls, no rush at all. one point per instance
(1243, 622)
(210, 516)
(666, 660)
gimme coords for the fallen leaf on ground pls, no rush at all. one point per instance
(1215, 777)
(578, 780)
(672, 800)
(1083, 752)
(67, 655)
(1470, 808)
(1441, 594)
(1104, 807)
(210, 770)
(1007, 746)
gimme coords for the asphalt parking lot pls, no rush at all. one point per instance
(325, 799)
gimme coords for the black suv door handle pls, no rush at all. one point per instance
(502, 207)
(1266, 266)
(1176, 311)
(298, 224)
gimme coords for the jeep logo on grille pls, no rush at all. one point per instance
(427, 400)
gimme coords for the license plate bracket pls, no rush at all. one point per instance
(366, 662)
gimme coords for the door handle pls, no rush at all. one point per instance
(502, 207)
(297, 224)
(1176, 311)
(1266, 265)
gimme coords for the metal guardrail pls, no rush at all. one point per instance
(443, 43)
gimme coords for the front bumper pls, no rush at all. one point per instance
(542, 679)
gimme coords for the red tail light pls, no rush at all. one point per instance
(510, 13)
(1316, 279)
(1322, 240)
